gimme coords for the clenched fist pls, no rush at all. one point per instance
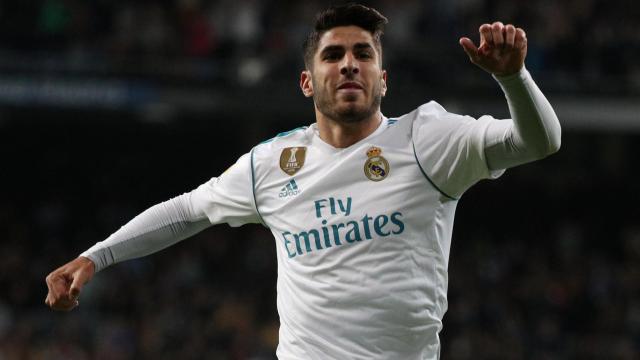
(66, 282)
(502, 48)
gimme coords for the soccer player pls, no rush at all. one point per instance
(361, 205)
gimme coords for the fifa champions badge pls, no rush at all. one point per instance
(292, 159)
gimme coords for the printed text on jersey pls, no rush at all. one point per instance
(349, 231)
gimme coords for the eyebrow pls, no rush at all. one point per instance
(357, 46)
(362, 46)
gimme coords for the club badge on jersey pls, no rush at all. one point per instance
(376, 168)
(292, 159)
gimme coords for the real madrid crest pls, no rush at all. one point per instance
(376, 167)
(292, 159)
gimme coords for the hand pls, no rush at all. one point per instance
(502, 49)
(66, 282)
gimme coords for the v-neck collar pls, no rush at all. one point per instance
(314, 135)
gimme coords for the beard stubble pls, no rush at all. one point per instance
(350, 114)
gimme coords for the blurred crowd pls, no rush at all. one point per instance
(545, 262)
(579, 45)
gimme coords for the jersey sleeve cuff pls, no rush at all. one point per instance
(513, 79)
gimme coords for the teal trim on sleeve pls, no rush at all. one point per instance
(427, 176)
(253, 189)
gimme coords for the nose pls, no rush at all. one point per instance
(349, 65)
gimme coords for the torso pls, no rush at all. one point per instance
(362, 241)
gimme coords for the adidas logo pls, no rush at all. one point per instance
(291, 189)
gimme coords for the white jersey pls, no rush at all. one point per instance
(362, 233)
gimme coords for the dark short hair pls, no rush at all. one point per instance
(367, 18)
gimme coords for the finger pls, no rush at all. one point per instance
(510, 36)
(49, 300)
(55, 284)
(62, 286)
(76, 286)
(496, 32)
(58, 304)
(520, 41)
(469, 47)
(486, 39)
(49, 290)
(80, 278)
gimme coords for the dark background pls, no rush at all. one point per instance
(109, 107)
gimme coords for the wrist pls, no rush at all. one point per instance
(520, 74)
(86, 263)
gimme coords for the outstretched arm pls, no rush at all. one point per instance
(534, 131)
(156, 228)
(225, 199)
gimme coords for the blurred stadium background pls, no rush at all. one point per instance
(108, 107)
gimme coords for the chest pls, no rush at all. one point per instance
(306, 186)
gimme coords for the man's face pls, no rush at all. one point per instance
(346, 80)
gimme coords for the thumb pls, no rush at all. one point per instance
(469, 47)
(83, 270)
(74, 291)
(76, 286)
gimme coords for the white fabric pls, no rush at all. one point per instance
(534, 131)
(362, 264)
(387, 291)
(379, 291)
(450, 148)
(156, 228)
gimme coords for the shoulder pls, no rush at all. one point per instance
(432, 108)
(430, 118)
(429, 112)
(295, 137)
(434, 118)
(298, 137)
(287, 135)
(432, 112)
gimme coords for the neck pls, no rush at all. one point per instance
(341, 135)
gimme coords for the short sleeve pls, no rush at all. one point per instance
(450, 148)
(228, 198)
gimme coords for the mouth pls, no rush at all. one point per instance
(350, 85)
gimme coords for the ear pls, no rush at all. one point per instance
(384, 82)
(306, 85)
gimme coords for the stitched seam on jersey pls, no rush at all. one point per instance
(425, 174)
(253, 189)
